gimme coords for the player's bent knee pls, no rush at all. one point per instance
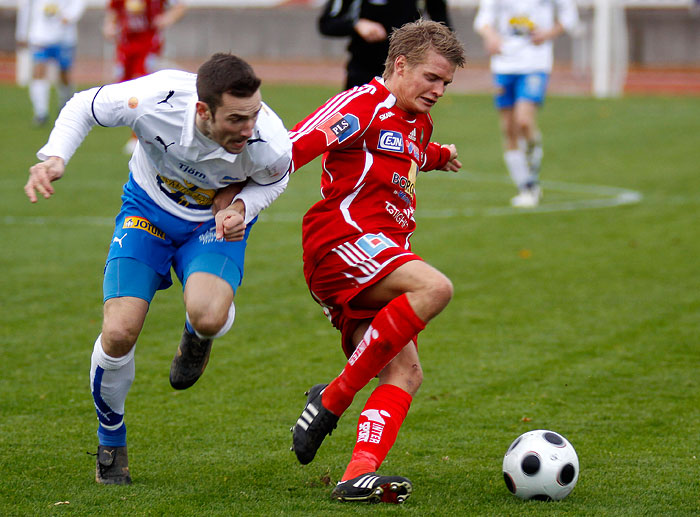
(118, 340)
(441, 291)
(212, 324)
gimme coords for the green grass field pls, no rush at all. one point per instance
(580, 317)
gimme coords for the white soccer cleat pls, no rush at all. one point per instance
(527, 198)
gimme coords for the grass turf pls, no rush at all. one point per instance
(579, 319)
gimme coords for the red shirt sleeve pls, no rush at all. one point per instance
(337, 123)
(436, 157)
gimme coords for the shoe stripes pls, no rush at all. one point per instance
(366, 481)
(310, 412)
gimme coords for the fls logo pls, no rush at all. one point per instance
(339, 127)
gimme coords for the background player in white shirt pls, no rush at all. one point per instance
(197, 133)
(518, 35)
(49, 27)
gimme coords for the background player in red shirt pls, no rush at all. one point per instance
(358, 261)
(137, 28)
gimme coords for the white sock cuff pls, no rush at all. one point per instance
(223, 330)
(107, 362)
(516, 162)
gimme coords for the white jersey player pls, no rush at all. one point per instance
(49, 28)
(518, 35)
(174, 163)
(197, 133)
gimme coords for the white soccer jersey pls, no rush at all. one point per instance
(177, 166)
(49, 22)
(515, 20)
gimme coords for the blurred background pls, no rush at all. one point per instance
(622, 46)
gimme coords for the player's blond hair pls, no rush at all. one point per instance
(414, 40)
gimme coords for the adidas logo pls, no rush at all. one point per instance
(366, 481)
(412, 135)
(307, 416)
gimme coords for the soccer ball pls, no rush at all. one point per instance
(540, 465)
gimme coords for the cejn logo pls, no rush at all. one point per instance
(390, 141)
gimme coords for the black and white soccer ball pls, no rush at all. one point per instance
(540, 465)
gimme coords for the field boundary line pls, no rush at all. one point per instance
(607, 197)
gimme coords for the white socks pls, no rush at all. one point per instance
(227, 326)
(39, 90)
(110, 380)
(516, 162)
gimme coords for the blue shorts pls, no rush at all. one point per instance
(148, 241)
(62, 54)
(519, 87)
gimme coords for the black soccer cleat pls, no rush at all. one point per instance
(312, 426)
(112, 466)
(190, 360)
(371, 488)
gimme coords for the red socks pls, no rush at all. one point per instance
(377, 429)
(391, 330)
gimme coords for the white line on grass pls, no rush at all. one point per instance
(605, 197)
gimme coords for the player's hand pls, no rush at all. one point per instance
(539, 36)
(224, 196)
(42, 175)
(230, 222)
(453, 164)
(370, 31)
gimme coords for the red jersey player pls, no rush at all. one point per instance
(358, 261)
(137, 25)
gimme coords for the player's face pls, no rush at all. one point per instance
(419, 86)
(233, 121)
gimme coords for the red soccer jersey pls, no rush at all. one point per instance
(136, 18)
(372, 152)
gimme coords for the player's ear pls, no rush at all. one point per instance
(203, 111)
(400, 65)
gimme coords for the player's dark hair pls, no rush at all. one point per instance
(415, 39)
(225, 73)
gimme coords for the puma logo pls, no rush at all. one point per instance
(167, 98)
(161, 142)
(119, 240)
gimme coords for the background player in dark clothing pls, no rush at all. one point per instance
(369, 23)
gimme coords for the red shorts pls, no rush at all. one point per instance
(346, 271)
(137, 56)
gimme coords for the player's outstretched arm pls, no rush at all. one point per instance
(42, 175)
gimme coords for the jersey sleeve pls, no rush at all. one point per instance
(334, 125)
(72, 126)
(111, 105)
(338, 17)
(486, 15)
(75, 11)
(436, 157)
(567, 15)
(23, 17)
